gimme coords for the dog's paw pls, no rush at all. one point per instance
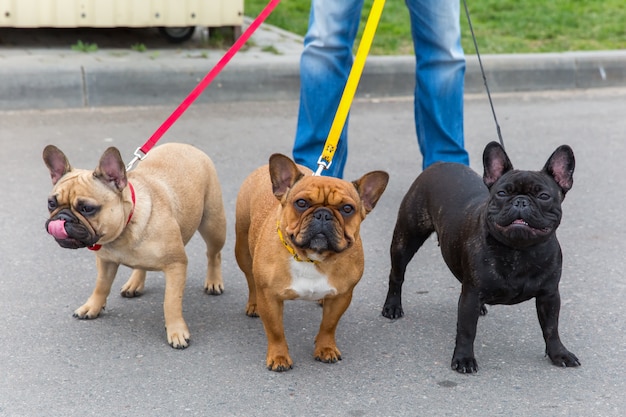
(327, 354)
(251, 310)
(279, 363)
(88, 311)
(392, 311)
(135, 285)
(564, 358)
(483, 310)
(128, 292)
(178, 336)
(464, 365)
(213, 288)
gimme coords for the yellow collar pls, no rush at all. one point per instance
(291, 250)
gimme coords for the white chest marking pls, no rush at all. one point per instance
(308, 282)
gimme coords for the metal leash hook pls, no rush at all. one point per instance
(139, 156)
(322, 164)
(326, 158)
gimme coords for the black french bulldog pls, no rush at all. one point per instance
(499, 241)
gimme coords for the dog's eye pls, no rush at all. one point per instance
(301, 203)
(544, 196)
(87, 210)
(52, 204)
(502, 193)
(347, 209)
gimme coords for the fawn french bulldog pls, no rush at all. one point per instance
(142, 219)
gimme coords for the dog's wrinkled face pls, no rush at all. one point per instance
(322, 215)
(85, 208)
(524, 207)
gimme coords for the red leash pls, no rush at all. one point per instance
(141, 152)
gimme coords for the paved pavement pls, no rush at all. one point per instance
(39, 69)
(120, 365)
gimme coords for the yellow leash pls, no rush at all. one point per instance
(350, 89)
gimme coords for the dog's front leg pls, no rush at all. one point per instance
(463, 360)
(548, 307)
(270, 308)
(175, 326)
(97, 301)
(325, 346)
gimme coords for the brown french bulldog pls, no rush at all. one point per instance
(297, 237)
(142, 219)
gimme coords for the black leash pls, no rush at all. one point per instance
(482, 71)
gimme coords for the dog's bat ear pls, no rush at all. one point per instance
(495, 162)
(370, 187)
(111, 169)
(284, 174)
(57, 163)
(560, 166)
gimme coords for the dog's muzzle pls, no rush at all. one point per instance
(321, 232)
(69, 232)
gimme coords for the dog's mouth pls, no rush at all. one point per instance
(522, 225)
(70, 236)
(520, 222)
(319, 243)
(57, 229)
(70, 243)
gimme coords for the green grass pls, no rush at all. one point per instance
(501, 26)
(138, 47)
(86, 47)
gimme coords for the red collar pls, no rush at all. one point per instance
(132, 197)
(95, 246)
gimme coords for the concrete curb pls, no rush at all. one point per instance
(549, 71)
(40, 80)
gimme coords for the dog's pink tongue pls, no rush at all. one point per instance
(57, 229)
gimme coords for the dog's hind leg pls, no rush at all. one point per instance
(407, 239)
(213, 230)
(244, 260)
(135, 284)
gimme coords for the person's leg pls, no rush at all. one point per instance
(324, 67)
(439, 73)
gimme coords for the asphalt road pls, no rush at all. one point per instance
(120, 364)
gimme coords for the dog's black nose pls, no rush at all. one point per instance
(66, 215)
(323, 214)
(521, 202)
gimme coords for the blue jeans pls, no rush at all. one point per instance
(439, 79)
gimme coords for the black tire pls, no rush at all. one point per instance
(177, 34)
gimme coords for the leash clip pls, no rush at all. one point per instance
(139, 156)
(322, 164)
